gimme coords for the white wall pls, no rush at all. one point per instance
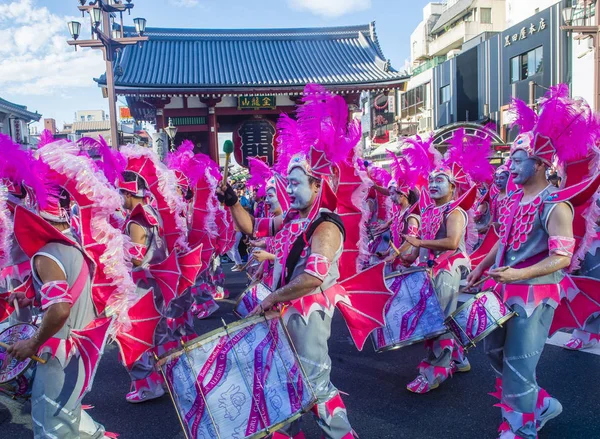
(583, 71)
(519, 10)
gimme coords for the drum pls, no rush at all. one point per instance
(478, 317)
(242, 381)
(379, 244)
(413, 314)
(16, 377)
(250, 299)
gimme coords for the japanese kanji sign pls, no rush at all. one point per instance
(256, 102)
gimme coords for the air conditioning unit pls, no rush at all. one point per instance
(453, 53)
(424, 124)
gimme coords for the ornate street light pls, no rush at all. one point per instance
(74, 29)
(110, 38)
(171, 131)
(140, 25)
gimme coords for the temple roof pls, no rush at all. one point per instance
(19, 110)
(234, 59)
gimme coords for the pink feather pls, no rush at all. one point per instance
(472, 154)
(259, 174)
(525, 117)
(179, 159)
(45, 138)
(569, 123)
(288, 143)
(380, 175)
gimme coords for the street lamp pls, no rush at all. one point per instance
(171, 131)
(578, 20)
(109, 38)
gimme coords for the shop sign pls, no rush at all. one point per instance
(524, 32)
(257, 102)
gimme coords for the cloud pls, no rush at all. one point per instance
(330, 8)
(34, 56)
(184, 3)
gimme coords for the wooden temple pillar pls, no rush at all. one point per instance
(213, 128)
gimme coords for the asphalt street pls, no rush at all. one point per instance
(379, 406)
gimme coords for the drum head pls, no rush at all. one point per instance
(10, 368)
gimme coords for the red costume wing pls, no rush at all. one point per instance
(90, 342)
(577, 194)
(363, 305)
(166, 274)
(491, 238)
(574, 310)
(352, 217)
(32, 232)
(144, 318)
(466, 200)
(577, 170)
(5, 308)
(190, 265)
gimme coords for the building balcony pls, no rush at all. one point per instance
(449, 40)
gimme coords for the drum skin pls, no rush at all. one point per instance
(412, 315)
(242, 381)
(16, 377)
(478, 317)
(250, 299)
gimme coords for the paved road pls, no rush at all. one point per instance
(379, 406)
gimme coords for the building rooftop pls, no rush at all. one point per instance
(448, 16)
(92, 125)
(231, 59)
(20, 110)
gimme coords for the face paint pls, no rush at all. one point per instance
(522, 167)
(271, 200)
(439, 186)
(300, 190)
(501, 180)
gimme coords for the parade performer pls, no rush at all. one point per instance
(443, 243)
(308, 244)
(498, 193)
(536, 245)
(159, 238)
(76, 284)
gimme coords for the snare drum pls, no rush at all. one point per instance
(250, 299)
(242, 381)
(16, 377)
(478, 317)
(413, 314)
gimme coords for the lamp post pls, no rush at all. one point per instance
(578, 19)
(109, 38)
(171, 131)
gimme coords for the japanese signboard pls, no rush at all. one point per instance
(256, 102)
(524, 32)
(125, 115)
(254, 138)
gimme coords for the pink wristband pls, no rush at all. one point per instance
(561, 246)
(317, 265)
(55, 292)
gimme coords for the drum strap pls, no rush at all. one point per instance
(303, 240)
(509, 224)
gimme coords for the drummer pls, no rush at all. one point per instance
(443, 246)
(536, 235)
(67, 305)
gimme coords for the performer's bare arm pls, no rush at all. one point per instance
(138, 236)
(560, 223)
(486, 263)
(408, 252)
(455, 224)
(54, 317)
(382, 190)
(242, 219)
(325, 241)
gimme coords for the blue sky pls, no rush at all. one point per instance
(39, 70)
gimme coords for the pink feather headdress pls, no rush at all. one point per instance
(564, 127)
(18, 166)
(45, 138)
(6, 227)
(321, 136)
(112, 163)
(178, 162)
(260, 176)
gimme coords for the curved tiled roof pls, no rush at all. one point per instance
(20, 110)
(237, 58)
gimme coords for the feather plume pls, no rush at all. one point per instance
(421, 156)
(45, 138)
(259, 174)
(379, 175)
(21, 167)
(6, 227)
(180, 158)
(113, 163)
(525, 116)
(288, 143)
(472, 154)
(569, 123)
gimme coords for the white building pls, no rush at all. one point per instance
(445, 27)
(90, 116)
(14, 121)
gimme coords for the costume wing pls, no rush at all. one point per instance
(580, 305)
(190, 265)
(139, 338)
(166, 274)
(490, 239)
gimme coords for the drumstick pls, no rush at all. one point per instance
(482, 280)
(17, 309)
(33, 357)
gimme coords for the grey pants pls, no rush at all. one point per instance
(514, 352)
(310, 340)
(55, 412)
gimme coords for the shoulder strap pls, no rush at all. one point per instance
(303, 240)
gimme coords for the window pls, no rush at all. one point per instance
(444, 94)
(413, 101)
(83, 118)
(89, 117)
(470, 16)
(527, 64)
(485, 15)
